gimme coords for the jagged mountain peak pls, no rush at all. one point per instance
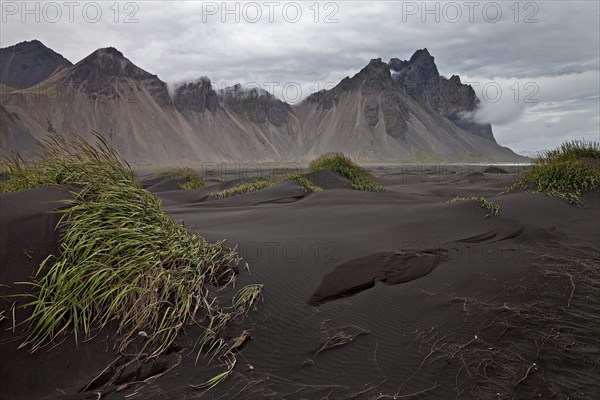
(374, 70)
(421, 80)
(247, 93)
(455, 79)
(397, 64)
(256, 103)
(28, 63)
(106, 52)
(201, 82)
(422, 55)
(419, 69)
(109, 61)
(374, 78)
(29, 45)
(197, 95)
(107, 72)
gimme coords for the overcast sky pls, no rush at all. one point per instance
(534, 65)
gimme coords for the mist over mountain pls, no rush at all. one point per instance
(401, 110)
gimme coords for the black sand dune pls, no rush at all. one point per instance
(361, 273)
(399, 294)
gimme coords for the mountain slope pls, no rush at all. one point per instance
(372, 117)
(243, 125)
(395, 111)
(107, 93)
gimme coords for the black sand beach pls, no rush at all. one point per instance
(398, 294)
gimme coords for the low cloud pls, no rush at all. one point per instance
(539, 112)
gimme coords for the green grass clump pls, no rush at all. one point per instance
(565, 172)
(257, 183)
(194, 180)
(122, 260)
(61, 162)
(343, 165)
(572, 151)
(491, 207)
(306, 183)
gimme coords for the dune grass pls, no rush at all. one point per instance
(343, 165)
(261, 182)
(572, 151)
(122, 260)
(257, 183)
(489, 206)
(566, 172)
(60, 162)
(306, 183)
(194, 180)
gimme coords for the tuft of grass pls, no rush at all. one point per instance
(491, 207)
(343, 165)
(257, 183)
(64, 162)
(565, 172)
(217, 379)
(122, 260)
(247, 297)
(194, 180)
(572, 151)
(306, 183)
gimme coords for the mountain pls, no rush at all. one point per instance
(242, 125)
(420, 79)
(399, 110)
(106, 92)
(28, 63)
(376, 115)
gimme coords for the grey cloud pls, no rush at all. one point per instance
(172, 40)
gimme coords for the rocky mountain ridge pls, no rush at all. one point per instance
(399, 110)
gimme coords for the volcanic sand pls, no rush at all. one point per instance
(366, 295)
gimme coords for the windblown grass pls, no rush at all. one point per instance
(194, 180)
(572, 151)
(306, 183)
(491, 207)
(257, 183)
(61, 162)
(565, 172)
(343, 165)
(122, 259)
